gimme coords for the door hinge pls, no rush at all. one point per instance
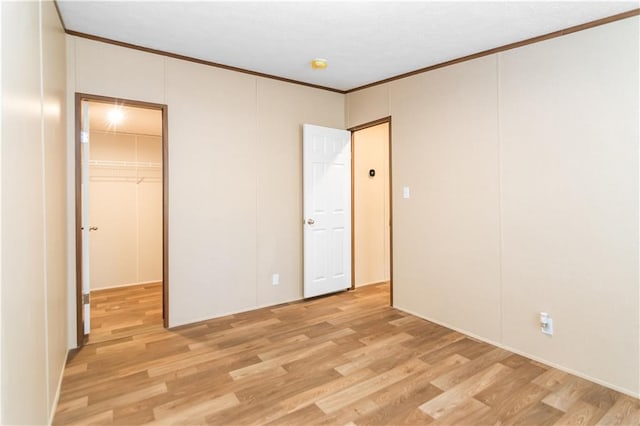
(86, 299)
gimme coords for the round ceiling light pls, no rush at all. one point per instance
(319, 64)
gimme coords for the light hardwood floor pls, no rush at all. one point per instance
(343, 359)
(125, 311)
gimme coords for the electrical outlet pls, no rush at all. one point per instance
(546, 323)
(406, 192)
(275, 279)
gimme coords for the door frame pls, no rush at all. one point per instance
(353, 269)
(79, 97)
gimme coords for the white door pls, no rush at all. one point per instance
(86, 226)
(326, 164)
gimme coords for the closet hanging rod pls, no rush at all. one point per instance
(125, 164)
(141, 179)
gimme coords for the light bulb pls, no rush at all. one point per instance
(115, 116)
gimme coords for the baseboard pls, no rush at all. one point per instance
(56, 398)
(526, 355)
(372, 283)
(232, 312)
(262, 306)
(126, 285)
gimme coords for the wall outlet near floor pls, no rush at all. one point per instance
(275, 279)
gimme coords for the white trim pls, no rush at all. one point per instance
(127, 285)
(56, 397)
(532, 357)
(69, 125)
(372, 283)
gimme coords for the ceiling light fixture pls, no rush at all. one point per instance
(115, 116)
(319, 64)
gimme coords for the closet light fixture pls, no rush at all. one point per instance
(115, 116)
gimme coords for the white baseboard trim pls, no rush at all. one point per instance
(127, 285)
(56, 397)
(524, 354)
(372, 283)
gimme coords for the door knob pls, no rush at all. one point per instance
(93, 228)
(310, 221)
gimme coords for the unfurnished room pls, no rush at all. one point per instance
(320, 212)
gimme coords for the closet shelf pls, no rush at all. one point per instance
(125, 164)
(134, 179)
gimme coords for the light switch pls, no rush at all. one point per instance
(275, 279)
(406, 192)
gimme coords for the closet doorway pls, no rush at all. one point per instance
(121, 218)
(371, 204)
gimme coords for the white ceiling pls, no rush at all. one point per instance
(363, 41)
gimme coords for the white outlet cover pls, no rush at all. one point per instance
(549, 328)
(275, 279)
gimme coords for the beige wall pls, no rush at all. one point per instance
(506, 216)
(126, 205)
(234, 173)
(281, 110)
(371, 205)
(569, 150)
(447, 234)
(34, 215)
(523, 170)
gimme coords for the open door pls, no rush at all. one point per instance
(130, 162)
(326, 209)
(86, 227)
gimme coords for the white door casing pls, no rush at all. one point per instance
(326, 168)
(86, 226)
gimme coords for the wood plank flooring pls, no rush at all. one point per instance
(345, 359)
(125, 311)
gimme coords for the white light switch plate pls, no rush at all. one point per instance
(406, 192)
(275, 279)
